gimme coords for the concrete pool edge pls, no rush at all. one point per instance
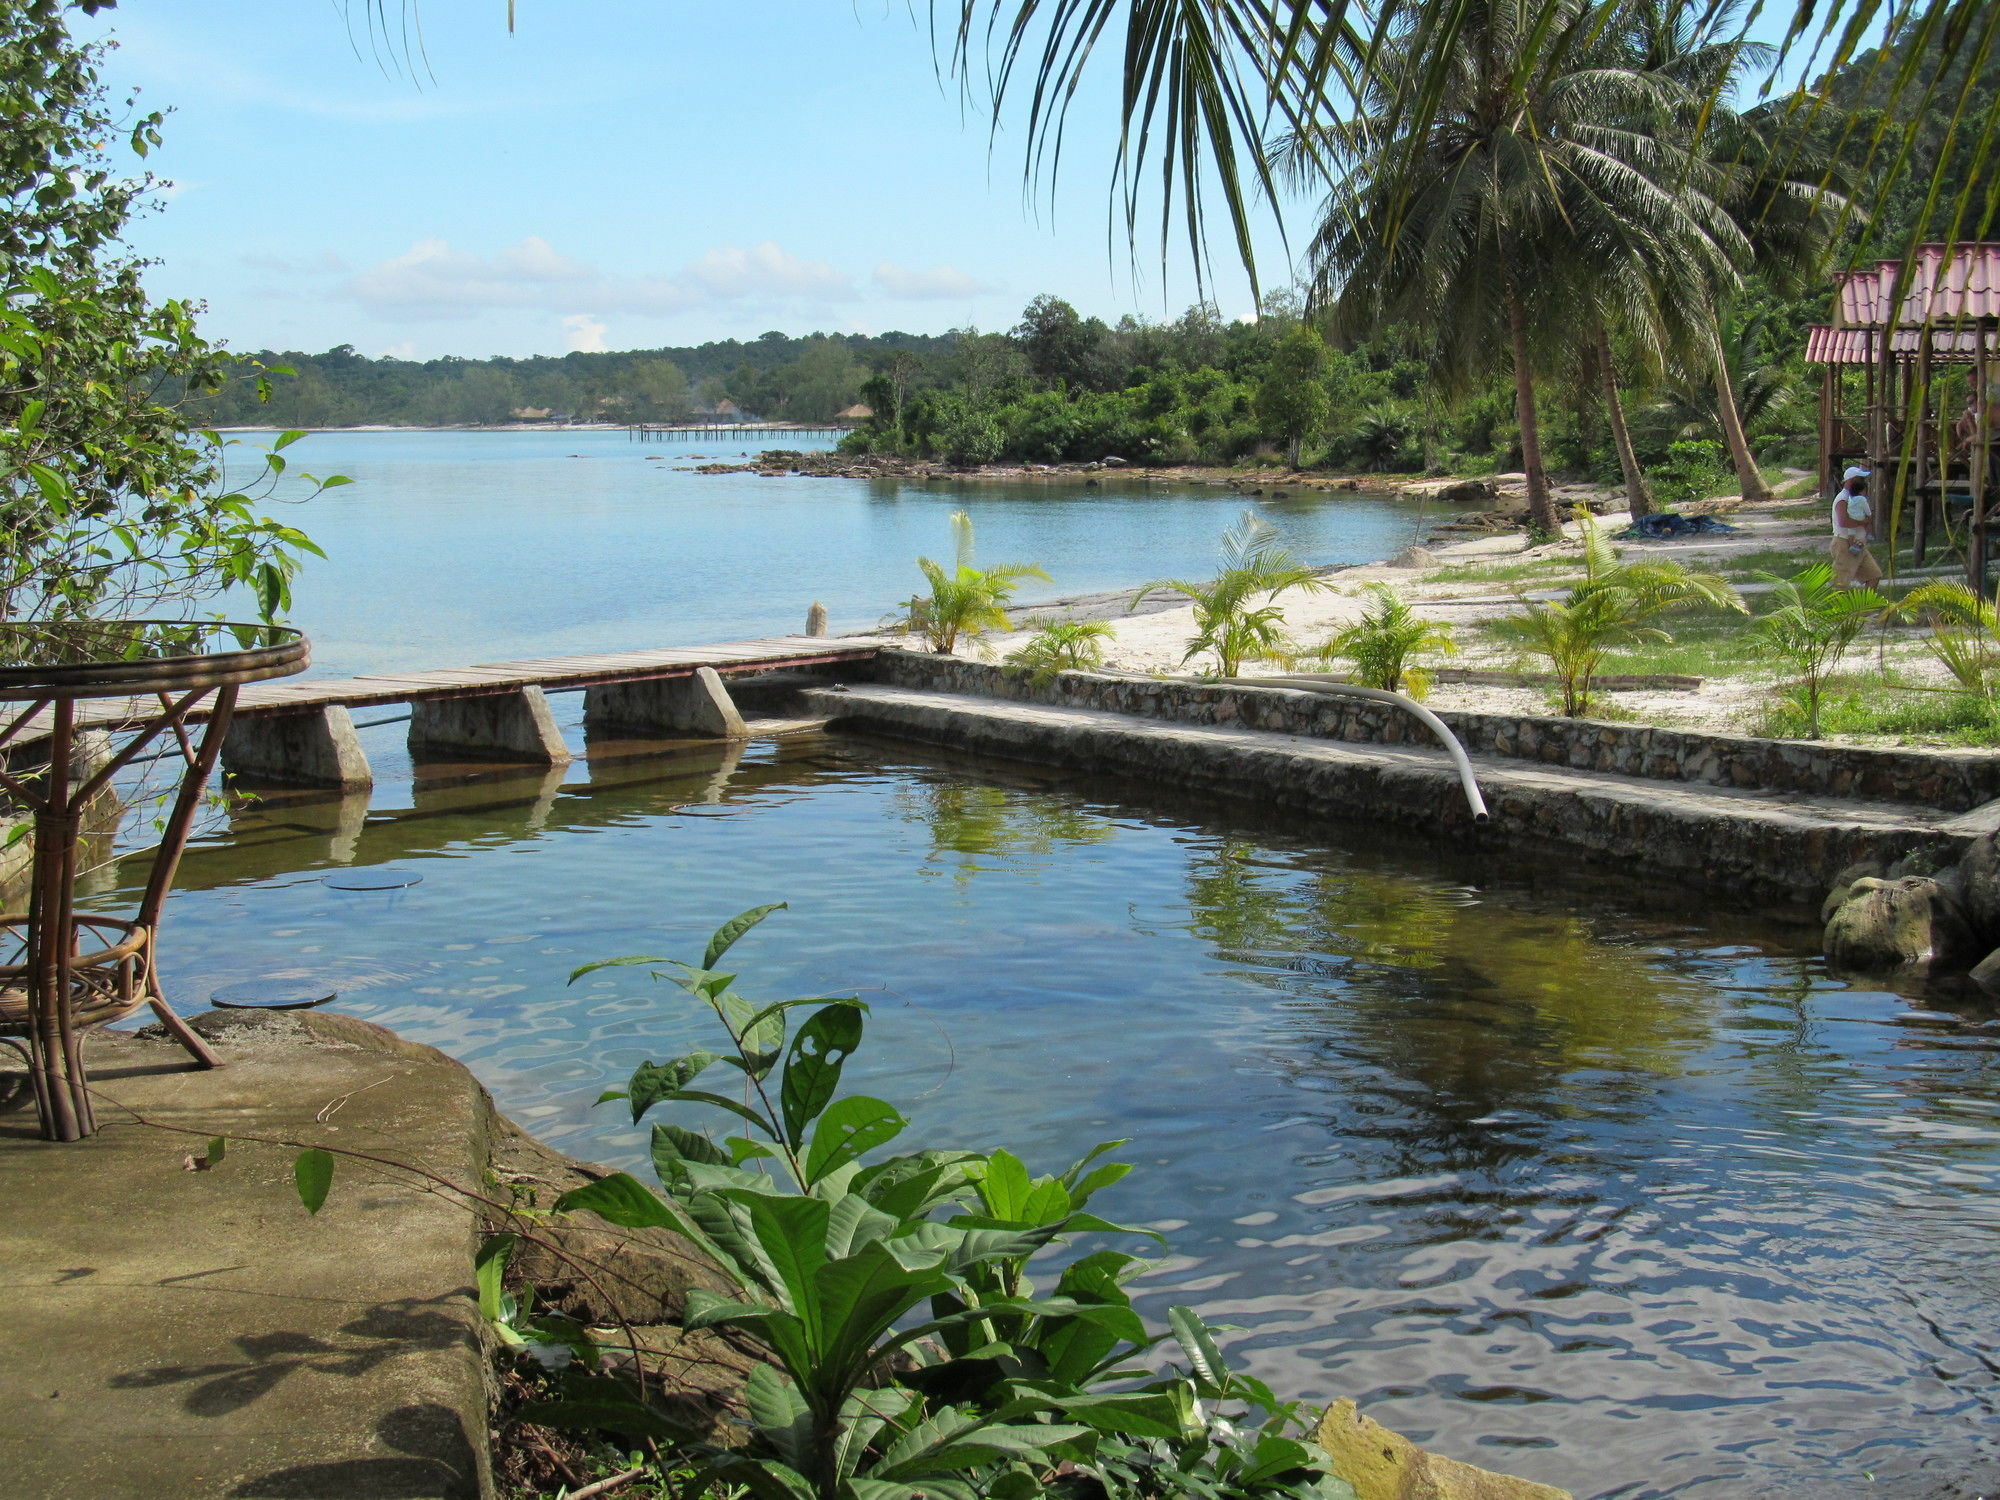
(1273, 746)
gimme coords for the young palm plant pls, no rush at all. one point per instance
(1236, 614)
(1386, 642)
(1964, 632)
(1061, 646)
(1615, 604)
(965, 601)
(1813, 626)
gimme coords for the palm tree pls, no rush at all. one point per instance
(1812, 626)
(1387, 640)
(1549, 179)
(965, 600)
(1230, 621)
(1615, 604)
(1202, 84)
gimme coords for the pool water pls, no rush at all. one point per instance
(1581, 1180)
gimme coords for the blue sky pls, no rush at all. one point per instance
(620, 174)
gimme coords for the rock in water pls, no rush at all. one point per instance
(1899, 924)
(1385, 1465)
(1981, 868)
(816, 619)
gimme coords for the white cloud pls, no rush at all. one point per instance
(325, 263)
(936, 283)
(434, 280)
(405, 350)
(583, 334)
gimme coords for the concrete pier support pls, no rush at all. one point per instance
(698, 705)
(314, 748)
(510, 726)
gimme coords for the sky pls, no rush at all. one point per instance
(613, 175)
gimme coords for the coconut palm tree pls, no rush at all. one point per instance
(964, 600)
(1385, 644)
(1549, 181)
(1236, 614)
(1202, 86)
(1615, 604)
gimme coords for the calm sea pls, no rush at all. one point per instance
(458, 547)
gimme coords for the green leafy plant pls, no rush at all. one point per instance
(906, 1351)
(1230, 621)
(1386, 642)
(1964, 633)
(1812, 627)
(964, 600)
(1061, 646)
(1614, 604)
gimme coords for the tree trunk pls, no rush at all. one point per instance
(1541, 504)
(1636, 493)
(1292, 449)
(1750, 481)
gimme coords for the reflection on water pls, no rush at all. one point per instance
(1631, 1199)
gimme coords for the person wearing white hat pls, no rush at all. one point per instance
(1853, 529)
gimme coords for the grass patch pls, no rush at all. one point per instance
(1547, 569)
(1870, 707)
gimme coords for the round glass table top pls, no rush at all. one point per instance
(105, 658)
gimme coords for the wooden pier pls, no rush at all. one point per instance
(649, 431)
(303, 734)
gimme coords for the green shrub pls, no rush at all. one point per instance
(1694, 470)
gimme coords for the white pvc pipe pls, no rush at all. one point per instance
(1314, 682)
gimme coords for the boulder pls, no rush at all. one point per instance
(1909, 923)
(1385, 1465)
(1986, 973)
(1843, 885)
(1981, 872)
(1414, 557)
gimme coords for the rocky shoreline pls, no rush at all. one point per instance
(1497, 502)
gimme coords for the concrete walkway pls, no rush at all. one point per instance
(1744, 838)
(177, 1335)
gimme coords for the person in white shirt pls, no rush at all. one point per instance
(1853, 529)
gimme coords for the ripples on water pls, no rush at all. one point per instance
(1633, 1200)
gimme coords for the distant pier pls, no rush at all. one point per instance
(648, 431)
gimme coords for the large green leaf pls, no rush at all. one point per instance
(654, 1082)
(726, 935)
(849, 1128)
(859, 1298)
(780, 1414)
(489, 1270)
(1203, 1355)
(1005, 1187)
(812, 1067)
(624, 1200)
(675, 1144)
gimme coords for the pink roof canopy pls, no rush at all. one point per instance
(1862, 346)
(1965, 287)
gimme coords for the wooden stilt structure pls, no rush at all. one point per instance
(1910, 325)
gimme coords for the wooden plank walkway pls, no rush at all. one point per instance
(552, 674)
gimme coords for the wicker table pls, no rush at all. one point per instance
(137, 680)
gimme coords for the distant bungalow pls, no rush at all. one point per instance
(855, 415)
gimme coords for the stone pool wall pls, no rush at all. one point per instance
(1944, 780)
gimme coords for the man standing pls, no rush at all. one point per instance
(1853, 529)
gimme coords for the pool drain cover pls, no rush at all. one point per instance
(273, 994)
(371, 880)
